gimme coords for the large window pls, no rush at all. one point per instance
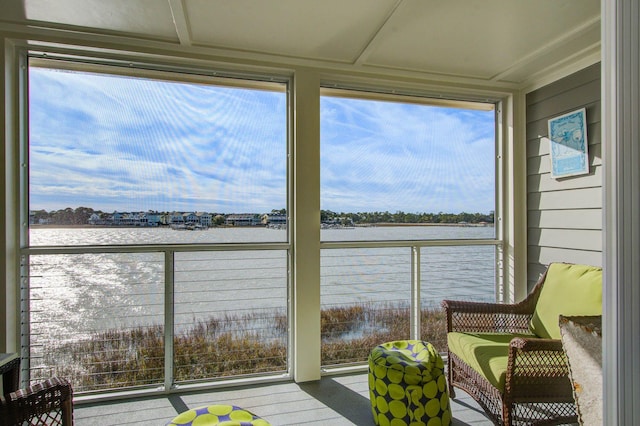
(393, 161)
(154, 155)
(408, 196)
(157, 249)
(157, 241)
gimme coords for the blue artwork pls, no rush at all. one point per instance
(568, 136)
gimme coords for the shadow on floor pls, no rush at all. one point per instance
(177, 403)
(467, 412)
(344, 401)
(357, 408)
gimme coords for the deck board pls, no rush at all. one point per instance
(334, 400)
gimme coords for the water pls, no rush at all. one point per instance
(41, 236)
(74, 296)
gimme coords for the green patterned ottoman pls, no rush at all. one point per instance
(407, 385)
(219, 415)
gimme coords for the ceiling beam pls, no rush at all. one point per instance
(577, 32)
(366, 51)
(180, 22)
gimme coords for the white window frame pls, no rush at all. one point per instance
(156, 72)
(304, 162)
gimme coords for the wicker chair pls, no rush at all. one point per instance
(517, 376)
(45, 403)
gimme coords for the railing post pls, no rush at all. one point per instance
(25, 319)
(500, 290)
(168, 318)
(415, 293)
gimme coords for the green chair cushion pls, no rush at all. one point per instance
(569, 290)
(486, 353)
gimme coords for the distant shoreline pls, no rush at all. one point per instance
(366, 225)
(370, 225)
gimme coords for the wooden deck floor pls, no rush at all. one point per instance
(334, 400)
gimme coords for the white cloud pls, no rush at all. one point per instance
(131, 144)
(405, 157)
(119, 142)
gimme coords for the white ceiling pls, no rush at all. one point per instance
(490, 41)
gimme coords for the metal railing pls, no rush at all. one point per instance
(373, 292)
(148, 317)
(154, 316)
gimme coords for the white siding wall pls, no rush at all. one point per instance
(564, 216)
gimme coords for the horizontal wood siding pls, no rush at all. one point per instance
(564, 216)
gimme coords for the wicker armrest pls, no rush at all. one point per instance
(536, 344)
(477, 317)
(48, 402)
(476, 307)
(537, 369)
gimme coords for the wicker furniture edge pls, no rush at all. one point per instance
(537, 386)
(49, 402)
(10, 374)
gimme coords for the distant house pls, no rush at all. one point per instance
(117, 218)
(124, 218)
(190, 218)
(176, 217)
(128, 218)
(243, 219)
(139, 219)
(204, 218)
(154, 218)
(274, 219)
(146, 218)
(95, 219)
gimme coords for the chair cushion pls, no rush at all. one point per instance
(486, 353)
(570, 290)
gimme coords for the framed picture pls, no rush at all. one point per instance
(568, 144)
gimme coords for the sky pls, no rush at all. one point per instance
(117, 143)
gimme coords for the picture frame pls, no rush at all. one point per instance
(568, 144)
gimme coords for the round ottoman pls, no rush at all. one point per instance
(223, 415)
(407, 385)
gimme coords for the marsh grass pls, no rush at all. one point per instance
(383, 322)
(232, 345)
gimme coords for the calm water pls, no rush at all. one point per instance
(116, 236)
(77, 295)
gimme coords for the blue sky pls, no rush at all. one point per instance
(129, 144)
(389, 156)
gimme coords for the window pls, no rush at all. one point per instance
(158, 248)
(407, 161)
(153, 154)
(408, 196)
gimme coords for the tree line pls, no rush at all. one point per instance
(68, 216)
(362, 218)
(81, 215)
